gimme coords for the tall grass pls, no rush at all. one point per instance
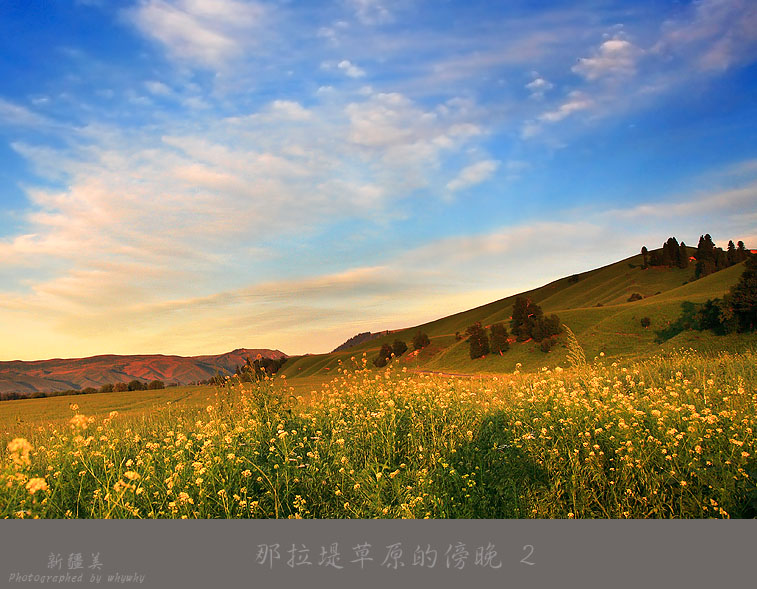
(671, 437)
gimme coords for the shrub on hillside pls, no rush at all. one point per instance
(635, 297)
(384, 355)
(399, 347)
(547, 344)
(646, 322)
(498, 339)
(420, 340)
(479, 343)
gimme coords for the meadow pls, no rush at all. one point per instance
(669, 437)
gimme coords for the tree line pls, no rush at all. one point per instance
(118, 387)
(709, 258)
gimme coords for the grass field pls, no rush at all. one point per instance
(667, 438)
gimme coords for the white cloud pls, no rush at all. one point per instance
(372, 12)
(17, 115)
(714, 34)
(178, 209)
(614, 58)
(538, 86)
(350, 69)
(291, 110)
(473, 174)
(209, 33)
(576, 102)
(158, 88)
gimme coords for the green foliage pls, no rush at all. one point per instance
(477, 340)
(498, 343)
(384, 355)
(135, 385)
(155, 385)
(526, 313)
(420, 340)
(546, 327)
(547, 344)
(743, 297)
(635, 297)
(646, 322)
(399, 347)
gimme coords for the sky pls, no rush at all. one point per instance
(194, 176)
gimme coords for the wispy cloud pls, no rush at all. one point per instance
(208, 33)
(372, 12)
(717, 34)
(473, 174)
(350, 69)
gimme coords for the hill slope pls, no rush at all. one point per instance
(593, 304)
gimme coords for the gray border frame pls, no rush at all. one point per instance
(225, 553)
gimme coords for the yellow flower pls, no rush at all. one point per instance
(36, 484)
(131, 475)
(79, 421)
(19, 449)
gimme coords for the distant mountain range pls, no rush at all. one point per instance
(24, 377)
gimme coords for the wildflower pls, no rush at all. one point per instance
(73, 407)
(131, 475)
(79, 421)
(36, 484)
(19, 449)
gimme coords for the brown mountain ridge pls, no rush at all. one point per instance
(27, 377)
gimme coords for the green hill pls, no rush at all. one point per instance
(593, 304)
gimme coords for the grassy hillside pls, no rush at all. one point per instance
(593, 304)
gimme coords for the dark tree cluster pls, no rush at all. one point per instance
(711, 259)
(672, 255)
(481, 344)
(477, 340)
(735, 312)
(529, 322)
(386, 352)
(498, 342)
(420, 340)
(384, 355)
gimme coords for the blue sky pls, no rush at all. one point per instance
(192, 176)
